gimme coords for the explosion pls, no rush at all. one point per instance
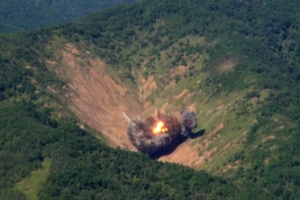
(159, 128)
(160, 132)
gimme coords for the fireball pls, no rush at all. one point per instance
(161, 132)
(159, 128)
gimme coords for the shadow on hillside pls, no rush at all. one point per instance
(179, 140)
(197, 134)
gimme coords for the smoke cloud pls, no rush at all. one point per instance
(160, 132)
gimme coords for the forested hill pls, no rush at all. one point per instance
(239, 63)
(28, 15)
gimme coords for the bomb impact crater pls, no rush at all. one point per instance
(161, 133)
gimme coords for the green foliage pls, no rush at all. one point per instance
(252, 94)
(82, 167)
(28, 15)
(262, 35)
(34, 183)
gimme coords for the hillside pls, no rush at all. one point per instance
(234, 64)
(28, 15)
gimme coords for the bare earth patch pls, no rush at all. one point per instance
(268, 138)
(52, 90)
(272, 147)
(205, 158)
(194, 155)
(233, 166)
(244, 133)
(180, 95)
(99, 99)
(214, 109)
(180, 70)
(184, 154)
(227, 145)
(192, 107)
(227, 64)
(30, 67)
(281, 127)
(146, 87)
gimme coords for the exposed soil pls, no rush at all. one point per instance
(268, 138)
(233, 166)
(227, 145)
(180, 95)
(206, 157)
(227, 64)
(180, 70)
(184, 154)
(99, 99)
(273, 147)
(146, 87)
(214, 109)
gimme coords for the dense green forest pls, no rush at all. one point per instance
(263, 35)
(82, 167)
(28, 15)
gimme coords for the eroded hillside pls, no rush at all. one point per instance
(96, 97)
(143, 59)
(99, 96)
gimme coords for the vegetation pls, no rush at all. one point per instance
(33, 184)
(258, 41)
(28, 15)
(82, 167)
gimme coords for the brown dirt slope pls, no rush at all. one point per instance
(96, 97)
(99, 99)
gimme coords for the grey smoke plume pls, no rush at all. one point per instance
(189, 122)
(141, 134)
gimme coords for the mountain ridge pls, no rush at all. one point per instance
(32, 14)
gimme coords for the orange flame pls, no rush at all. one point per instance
(159, 128)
